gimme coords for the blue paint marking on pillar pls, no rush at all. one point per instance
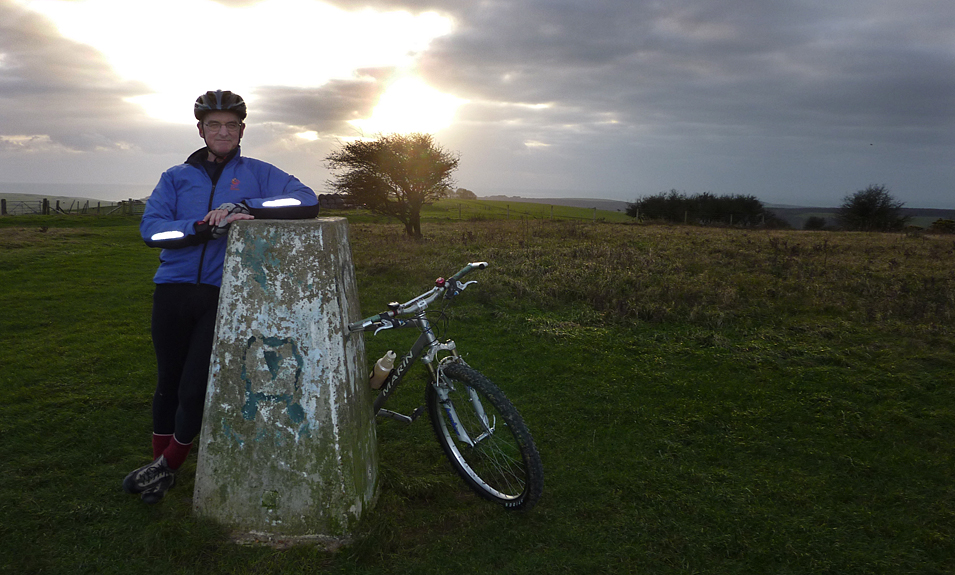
(274, 361)
(257, 257)
(296, 413)
(227, 431)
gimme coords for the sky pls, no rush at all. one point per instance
(796, 102)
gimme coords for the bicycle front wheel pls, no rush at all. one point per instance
(485, 437)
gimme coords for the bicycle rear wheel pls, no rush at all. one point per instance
(492, 450)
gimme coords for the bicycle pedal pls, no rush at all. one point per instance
(400, 416)
(394, 415)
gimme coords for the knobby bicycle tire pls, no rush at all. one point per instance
(503, 465)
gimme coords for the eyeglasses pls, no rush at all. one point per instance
(216, 126)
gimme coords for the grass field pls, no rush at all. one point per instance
(451, 210)
(705, 401)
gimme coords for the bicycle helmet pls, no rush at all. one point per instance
(219, 100)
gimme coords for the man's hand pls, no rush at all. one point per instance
(227, 213)
(220, 218)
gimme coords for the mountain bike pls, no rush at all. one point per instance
(479, 429)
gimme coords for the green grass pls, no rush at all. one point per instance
(451, 210)
(705, 401)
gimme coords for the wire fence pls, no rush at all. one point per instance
(47, 207)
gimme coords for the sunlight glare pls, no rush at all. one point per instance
(410, 105)
(296, 43)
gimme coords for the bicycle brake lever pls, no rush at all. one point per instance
(391, 322)
(384, 326)
(455, 287)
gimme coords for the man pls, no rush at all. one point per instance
(180, 219)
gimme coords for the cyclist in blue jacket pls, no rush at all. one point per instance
(180, 219)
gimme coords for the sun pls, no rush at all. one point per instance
(409, 105)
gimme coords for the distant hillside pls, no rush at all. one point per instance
(609, 205)
(64, 200)
(20, 204)
(71, 192)
(796, 217)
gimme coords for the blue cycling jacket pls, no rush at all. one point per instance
(185, 194)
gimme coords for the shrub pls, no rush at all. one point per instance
(871, 210)
(814, 223)
(943, 226)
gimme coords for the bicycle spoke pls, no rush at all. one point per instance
(499, 462)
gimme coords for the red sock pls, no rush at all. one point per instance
(176, 453)
(160, 443)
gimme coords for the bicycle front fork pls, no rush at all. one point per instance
(443, 388)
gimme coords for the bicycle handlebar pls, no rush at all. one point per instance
(468, 269)
(448, 287)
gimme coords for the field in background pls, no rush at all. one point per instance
(450, 210)
(444, 210)
(796, 217)
(29, 204)
(705, 401)
(492, 207)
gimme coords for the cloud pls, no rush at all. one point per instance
(626, 96)
(720, 65)
(57, 94)
(728, 94)
(325, 109)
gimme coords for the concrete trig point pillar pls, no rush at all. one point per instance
(288, 452)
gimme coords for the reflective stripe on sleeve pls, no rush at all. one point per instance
(173, 235)
(284, 202)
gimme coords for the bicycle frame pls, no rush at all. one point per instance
(426, 347)
(479, 430)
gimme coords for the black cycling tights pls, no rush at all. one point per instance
(184, 321)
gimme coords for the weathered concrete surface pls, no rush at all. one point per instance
(288, 451)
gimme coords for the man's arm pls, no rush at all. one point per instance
(288, 198)
(161, 229)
